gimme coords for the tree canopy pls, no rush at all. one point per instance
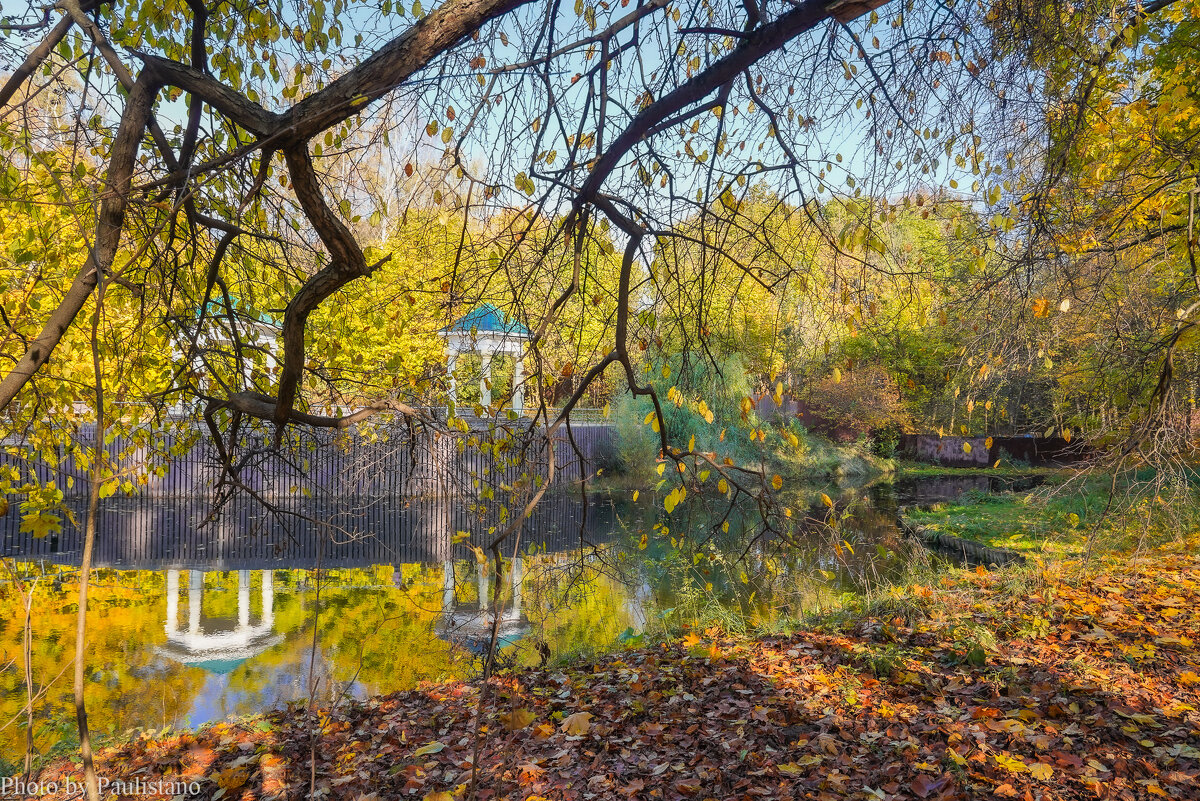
(273, 209)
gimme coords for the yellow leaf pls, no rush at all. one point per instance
(1040, 770)
(517, 719)
(439, 795)
(987, 443)
(723, 486)
(777, 482)
(635, 495)
(966, 447)
(790, 769)
(825, 499)
(577, 724)
(837, 376)
(1010, 763)
(232, 778)
(642, 543)
(661, 467)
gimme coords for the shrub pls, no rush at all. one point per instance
(865, 401)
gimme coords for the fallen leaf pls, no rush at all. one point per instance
(517, 719)
(577, 724)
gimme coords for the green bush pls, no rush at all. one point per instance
(700, 389)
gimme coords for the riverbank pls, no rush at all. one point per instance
(1057, 520)
(1062, 682)
(913, 469)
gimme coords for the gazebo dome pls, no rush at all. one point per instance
(487, 319)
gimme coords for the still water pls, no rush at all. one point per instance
(193, 620)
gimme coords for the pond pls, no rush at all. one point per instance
(192, 621)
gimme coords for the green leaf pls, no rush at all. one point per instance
(432, 748)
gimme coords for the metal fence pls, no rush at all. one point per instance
(383, 460)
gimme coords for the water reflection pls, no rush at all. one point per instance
(190, 623)
(218, 644)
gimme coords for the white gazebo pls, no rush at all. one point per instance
(489, 332)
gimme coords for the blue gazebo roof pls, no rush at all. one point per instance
(216, 308)
(487, 319)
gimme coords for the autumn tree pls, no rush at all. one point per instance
(210, 163)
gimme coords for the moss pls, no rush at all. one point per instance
(1069, 515)
(906, 468)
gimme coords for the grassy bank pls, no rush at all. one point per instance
(909, 468)
(1069, 515)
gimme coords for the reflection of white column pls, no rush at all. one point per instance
(268, 599)
(482, 580)
(243, 599)
(172, 601)
(447, 587)
(518, 388)
(195, 591)
(518, 576)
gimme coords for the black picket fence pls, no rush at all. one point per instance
(380, 461)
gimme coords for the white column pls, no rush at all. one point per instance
(243, 599)
(172, 601)
(451, 362)
(195, 591)
(518, 390)
(268, 598)
(486, 353)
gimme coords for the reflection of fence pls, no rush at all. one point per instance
(140, 533)
(383, 461)
(950, 451)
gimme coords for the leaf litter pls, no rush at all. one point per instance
(1081, 685)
